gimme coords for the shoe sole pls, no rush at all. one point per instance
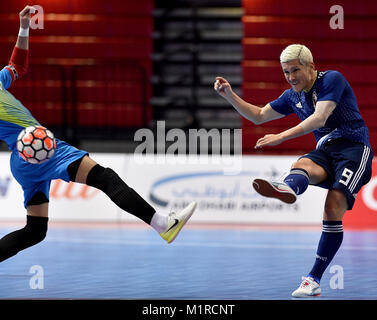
(306, 295)
(266, 189)
(180, 226)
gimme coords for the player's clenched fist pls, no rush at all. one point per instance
(222, 87)
(25, 16)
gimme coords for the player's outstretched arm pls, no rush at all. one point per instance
(317, 120)
(251, 112)
(18, 63)
(23, 35)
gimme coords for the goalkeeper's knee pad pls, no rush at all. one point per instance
(106, 180)
(119, 192)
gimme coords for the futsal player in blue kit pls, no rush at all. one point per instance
(68, 164)
(341, 161)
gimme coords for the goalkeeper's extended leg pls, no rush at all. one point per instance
(32, 233)
(86, 170)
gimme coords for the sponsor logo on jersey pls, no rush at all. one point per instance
(314, 98)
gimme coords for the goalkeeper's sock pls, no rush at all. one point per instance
(159, 222)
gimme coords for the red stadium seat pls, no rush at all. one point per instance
(365, 8)
(108, 115)
(85, 25)
(270, 48)
(91, 35)
(126, 7)
(269, 28)
(316, 27)
(109, 97)
(90, 47)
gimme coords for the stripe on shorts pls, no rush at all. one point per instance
(360, 170)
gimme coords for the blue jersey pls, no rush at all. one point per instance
(344, 122)
(13, 115)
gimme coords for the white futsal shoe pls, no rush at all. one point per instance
(277, 190)
(308, 288)
(176, 221)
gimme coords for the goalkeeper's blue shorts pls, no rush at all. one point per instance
(35, 178)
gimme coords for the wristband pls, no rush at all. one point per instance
(23, 32)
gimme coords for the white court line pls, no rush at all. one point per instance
(202, 244)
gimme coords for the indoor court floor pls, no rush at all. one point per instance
(133, 262)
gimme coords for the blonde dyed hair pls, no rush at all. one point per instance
(297, 51)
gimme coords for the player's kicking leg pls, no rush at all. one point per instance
(304, 172)
(87, 171)
(294, 184)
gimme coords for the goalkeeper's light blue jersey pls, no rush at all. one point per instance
(345, 121)
(13, 115)
(32, 177)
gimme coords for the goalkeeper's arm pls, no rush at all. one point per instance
(18, 63)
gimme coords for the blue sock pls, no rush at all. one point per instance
(329, 244)
(298, 180)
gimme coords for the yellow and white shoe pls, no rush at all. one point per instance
(176, 221)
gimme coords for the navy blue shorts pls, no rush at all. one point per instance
(348, 165)
(37, 177)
